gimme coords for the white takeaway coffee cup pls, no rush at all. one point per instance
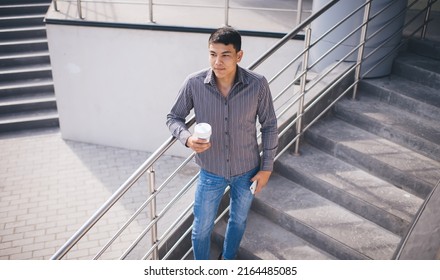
(202, 131)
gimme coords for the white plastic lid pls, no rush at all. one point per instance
(202, 130)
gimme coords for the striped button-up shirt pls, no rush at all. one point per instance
(234, 147)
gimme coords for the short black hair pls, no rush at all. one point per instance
(226, 35)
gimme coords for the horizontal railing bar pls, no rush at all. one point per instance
(142, 207)
(116, 196)
(400, 44)
(161, 214)
(229, 7)
(336, 45)
(285, 67)
(291, 34)
(336, 25)
(394, 34)
(390, 53)
(314, 120)
(390, 22)
(188, 5)
(168, 231)
(307, 108)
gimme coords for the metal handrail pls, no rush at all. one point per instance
(227, 7)
(167, 145)
(303, 108)
(116, 196)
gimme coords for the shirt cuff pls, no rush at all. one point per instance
(183, 137)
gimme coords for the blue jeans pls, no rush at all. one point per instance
(208, 195)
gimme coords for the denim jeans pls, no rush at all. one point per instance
(208, 195)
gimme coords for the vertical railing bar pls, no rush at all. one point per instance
(226, 12)
(389, 53)
(361, 49)
(55, 5)
(299, 12)
(79, 9)
(305, 65)
(161, 214)
(150, 11)
(426, 20)
(153, 212)
(142, 207)
(168, 231)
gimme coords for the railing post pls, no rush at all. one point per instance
(150, 10)
(55, 5)
(299, 12)
(153, 211)
(362, 46)
(226, 12)
(78, 4)
(303, 81)
(428, 13)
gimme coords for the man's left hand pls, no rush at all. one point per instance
(262, 178)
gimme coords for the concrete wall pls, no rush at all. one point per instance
(114, 86)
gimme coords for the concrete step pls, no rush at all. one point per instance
(323, 223)
(26, 87)
(21, 59)
(404, 94)
(409, 130)
(389, 161)
(19, 73)
(19, 2)
(19, 9)
(351, 187)
(21, 21)
(29, 103)
(425, 47)
(23, 45)
(265, 240)
(26, 120)
(23, 32)
(420, 69)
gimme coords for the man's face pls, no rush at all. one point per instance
(223, 59)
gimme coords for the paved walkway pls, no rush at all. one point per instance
(49, 187)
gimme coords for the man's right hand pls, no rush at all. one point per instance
(198, 145)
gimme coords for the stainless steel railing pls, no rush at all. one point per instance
(305, 96)
(227, 7)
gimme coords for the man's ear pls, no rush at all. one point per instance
(239, 55)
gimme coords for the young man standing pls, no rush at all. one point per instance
(230, 99)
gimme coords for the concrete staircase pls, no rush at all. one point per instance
(363, 174)
(27, 98)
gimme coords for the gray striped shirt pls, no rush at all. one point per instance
(234, 147)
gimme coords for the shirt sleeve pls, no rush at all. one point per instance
(180, 110)
(269, 128)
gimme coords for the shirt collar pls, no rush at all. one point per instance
(240, 77)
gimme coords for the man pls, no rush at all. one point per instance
(230, 99)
